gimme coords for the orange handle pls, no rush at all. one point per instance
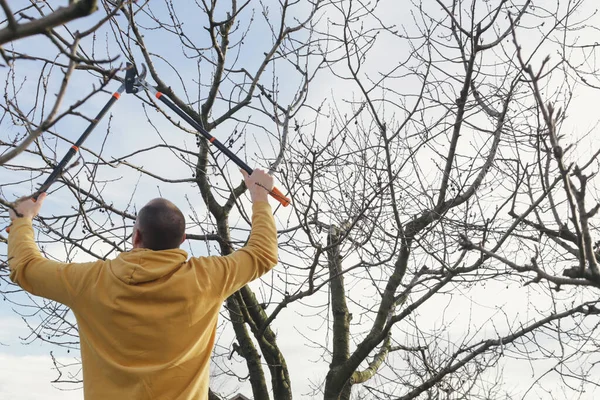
(8, 229)
(277, 195)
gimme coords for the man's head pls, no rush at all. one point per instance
(160, 225)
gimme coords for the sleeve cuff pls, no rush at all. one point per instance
(19, 222)
(261, 205)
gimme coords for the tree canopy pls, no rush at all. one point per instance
(442, 241)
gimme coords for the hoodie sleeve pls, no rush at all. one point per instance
(38, 275)
(227, 274)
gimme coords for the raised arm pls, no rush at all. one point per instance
(29, 269)
(227, 274)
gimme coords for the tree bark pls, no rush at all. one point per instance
(61, 16)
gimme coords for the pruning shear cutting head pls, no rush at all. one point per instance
(134, 82)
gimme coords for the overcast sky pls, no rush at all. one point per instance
(22, 363)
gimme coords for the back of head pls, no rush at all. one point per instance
(161, 224)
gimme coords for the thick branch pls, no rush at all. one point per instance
(248, 351)
(77, 9)
(256, 317)
(365, 375)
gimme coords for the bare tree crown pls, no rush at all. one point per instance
(441, 156)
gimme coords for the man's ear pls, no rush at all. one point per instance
(183, 238)
(137, 239)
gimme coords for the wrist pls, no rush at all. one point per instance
(22, 219)
(262, 195)
(14, 217)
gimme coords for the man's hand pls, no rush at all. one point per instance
(259, 184)
(27, 208)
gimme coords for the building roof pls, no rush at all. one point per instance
(239, 396)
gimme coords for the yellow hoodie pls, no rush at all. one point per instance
(147, 319)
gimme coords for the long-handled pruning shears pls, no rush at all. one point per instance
(130, 75)
(133, 84)
(139, 83)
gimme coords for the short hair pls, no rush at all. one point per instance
(161, 224)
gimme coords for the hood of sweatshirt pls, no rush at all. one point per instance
(144, 265)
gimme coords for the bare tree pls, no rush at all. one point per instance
(66, 56)
(426, 164)
(426, 161)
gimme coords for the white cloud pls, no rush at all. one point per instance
(30, 377)
(27, 371)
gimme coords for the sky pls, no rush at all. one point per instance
(27, 370)
(24, 363)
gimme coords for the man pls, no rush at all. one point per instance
(147, 319)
